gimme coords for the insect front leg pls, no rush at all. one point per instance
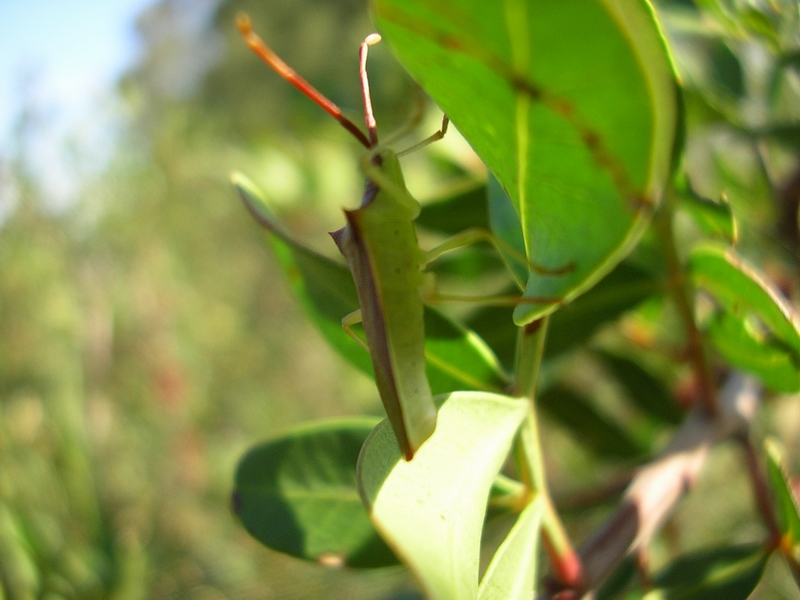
(507, 252)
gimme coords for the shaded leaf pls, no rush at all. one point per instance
(594, 101)
(456, 358)
(787, 134)
(297, 494)
(728, 573)
(589, 427)
(620, 580)
(788, 512)
(645, 390)
(622, 290)
(574, 324)
(431, 509)
(324, 287)
(505, 225)
(754, 327)
(726, 70)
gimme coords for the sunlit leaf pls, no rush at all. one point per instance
(430, 510)
(785, 133)
(512, 572)
(753, 327)
(457, 358)
(588, 149)
(297, 494)
(788, 511)
(462, 209)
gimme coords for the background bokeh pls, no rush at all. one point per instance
(147, 338)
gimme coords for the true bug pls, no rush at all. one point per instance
(379, 243)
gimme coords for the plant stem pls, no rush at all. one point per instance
(681, 293)
(527, 450)
(530, 349)
(528, 455)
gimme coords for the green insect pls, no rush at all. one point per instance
(379, 243)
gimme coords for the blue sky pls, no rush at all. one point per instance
(74, 50)
(74, 47)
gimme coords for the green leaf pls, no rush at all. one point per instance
(726, 70)
(620, 581)
(787, 134)
(457, 358)
(324, 287)
(758, 23)
(788, 512)
(589, 427)
(462, 209)
(714, 218)
(753, 327)
(620, 291)
(512, 572)
(572, 106)
(505, 225)
(645, 390)
(728, 573)
(745, 347)
(431, 510)
(297, 494)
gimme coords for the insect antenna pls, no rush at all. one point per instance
(369, 116)
(257, 45)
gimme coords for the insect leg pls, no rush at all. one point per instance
(506, 251)
(430, 139)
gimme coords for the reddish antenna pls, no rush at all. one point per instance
(257, 45)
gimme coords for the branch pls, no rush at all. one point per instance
(657, 487)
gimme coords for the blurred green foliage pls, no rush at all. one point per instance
(147, 338)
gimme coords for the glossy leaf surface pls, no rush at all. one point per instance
(431, 510)
(297, 494)
(592, 94)
(645, 390)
